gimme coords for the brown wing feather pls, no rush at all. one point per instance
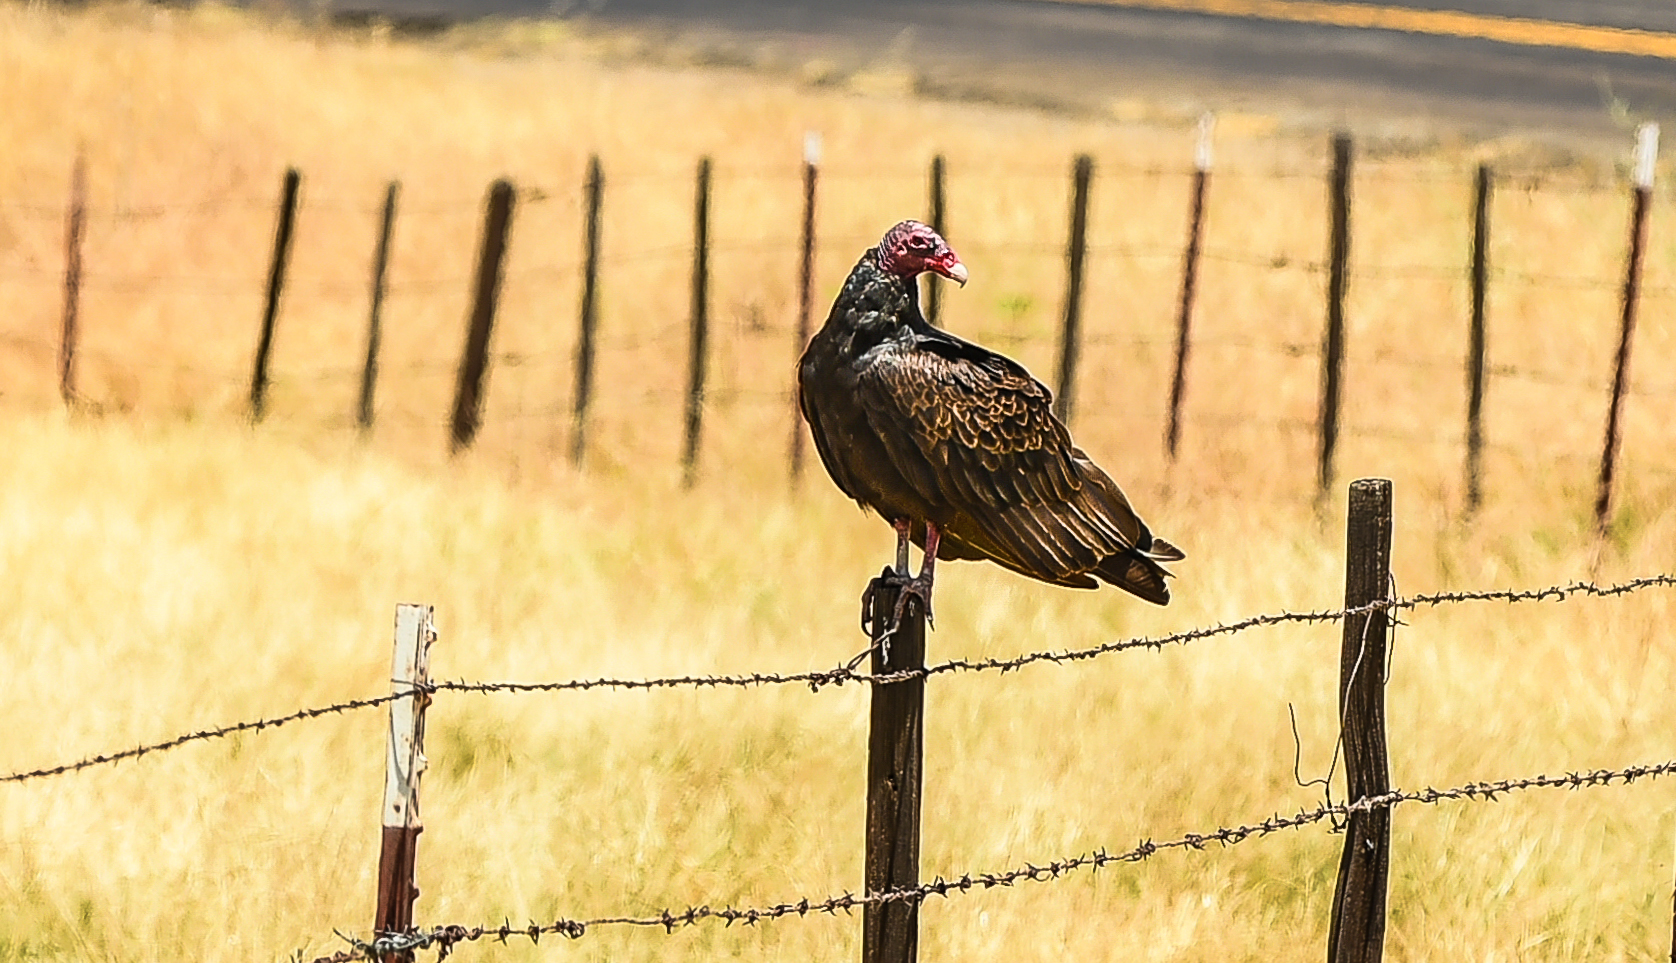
(977, 439)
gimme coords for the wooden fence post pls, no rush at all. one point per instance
(404, 763)
(934, 290)
(1189, 282)
(474, 361)
(594, 190)
(1332, 355)
(1358, 925)
(1476, 347)
(805, 286)
(1075, 254)
(75, 217)
(1646, 154)
(895, 775)
(380, 267)
(276, 284)
(700, 325)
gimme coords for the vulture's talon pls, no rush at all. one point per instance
(913, 588)
(909, 588)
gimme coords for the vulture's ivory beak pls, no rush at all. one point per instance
(954, 271)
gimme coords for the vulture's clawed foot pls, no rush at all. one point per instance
(918, 587)
(908, 588)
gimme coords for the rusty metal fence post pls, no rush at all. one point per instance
(1332, 353)
(1076, 255)
(375, 320)
(1189, 282)
(593, 190)
(1358, 924)
(74, 220)
(474, 360)
(1477, 345)
(698, 345)
(805, 286)
(276, 285)
(939, 215)
(404, 763)
(1646, 154)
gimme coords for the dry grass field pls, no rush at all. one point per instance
(164, 567)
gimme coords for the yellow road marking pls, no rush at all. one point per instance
(1446, 23)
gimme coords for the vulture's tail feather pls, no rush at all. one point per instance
(1162, 551)
(1137, 574)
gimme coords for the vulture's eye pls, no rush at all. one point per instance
(919, 245)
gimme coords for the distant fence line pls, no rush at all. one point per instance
(465, 416)
(897, 678)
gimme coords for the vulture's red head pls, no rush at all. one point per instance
(910, 249)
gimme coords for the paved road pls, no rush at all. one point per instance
(1472, 66)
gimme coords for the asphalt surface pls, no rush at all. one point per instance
(1088, 55)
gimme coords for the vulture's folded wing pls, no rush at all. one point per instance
(973, 432)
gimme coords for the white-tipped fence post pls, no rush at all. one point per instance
(1646, 155)
(404, 762)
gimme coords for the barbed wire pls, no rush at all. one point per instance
(445, 938)
(843, 674)
(256, 725)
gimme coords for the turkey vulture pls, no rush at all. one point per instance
(956, 446)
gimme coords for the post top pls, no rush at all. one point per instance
(1378, 489)
(1201, 152)
(1646, 154)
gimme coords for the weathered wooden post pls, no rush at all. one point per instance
(805, 285)
(404, 763)
(1332, 353)
(594, 190)
(1076, 251)
(74, 219)
(276, 285)
(380, 268)
(1646, 154)
(1189, 282)
(895, 771)
(474, 360)
(699, 341)
(1477, 347)
(934, 284)
(1358, 925)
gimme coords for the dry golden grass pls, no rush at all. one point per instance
(166, 568)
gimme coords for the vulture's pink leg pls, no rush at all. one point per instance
(920, 586)
(903, 527)
(932, 539)
(898, 575)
